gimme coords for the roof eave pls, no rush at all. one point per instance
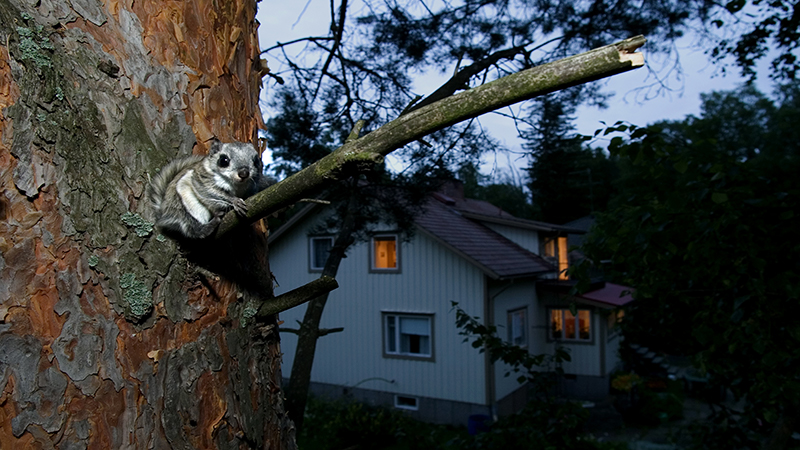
(521, 223)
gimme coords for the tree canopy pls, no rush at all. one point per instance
(704, 227)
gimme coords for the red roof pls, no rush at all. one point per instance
(497, 256)
(610, 294)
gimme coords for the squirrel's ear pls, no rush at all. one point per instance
(216, 145)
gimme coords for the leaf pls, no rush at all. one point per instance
(719, 197)
(681, 166)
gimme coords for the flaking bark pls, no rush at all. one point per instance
(108, 338)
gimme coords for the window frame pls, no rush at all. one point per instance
(311, 240)
(372, 255)
(510, 324)
(399, 405)
(576, 318)
(397, 336)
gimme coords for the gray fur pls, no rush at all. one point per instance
(190, 195)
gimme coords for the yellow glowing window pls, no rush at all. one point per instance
(566, 326)
(384, 252)
(563, 260)
(556, 248)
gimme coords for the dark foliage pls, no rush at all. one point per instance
(704, 228)
(568, 180)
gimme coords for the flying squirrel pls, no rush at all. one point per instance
(190, 195)
(188, 199)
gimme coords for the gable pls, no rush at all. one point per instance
(494, 254)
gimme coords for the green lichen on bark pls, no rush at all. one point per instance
(249, 311)
(138, 297)
(35, 46)
(93, 261)
(141, 227)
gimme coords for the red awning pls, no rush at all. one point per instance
(610, 294)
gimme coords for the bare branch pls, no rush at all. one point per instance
(296, 297)
(371, 148)
(281, 45)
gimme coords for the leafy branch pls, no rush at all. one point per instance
(538, 368)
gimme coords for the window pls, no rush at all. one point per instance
(565, 326)
(556, 248)
(517, 327)
(384, 253)
(319, 247)
(403, 402)
(408, 335)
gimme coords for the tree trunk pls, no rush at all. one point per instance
(309, 332)
(108, 338)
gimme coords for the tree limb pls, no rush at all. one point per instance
(371, 148)
(320, 333)
(295, 297)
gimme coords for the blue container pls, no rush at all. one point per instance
(478, 423)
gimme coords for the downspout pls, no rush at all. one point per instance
(488, 320)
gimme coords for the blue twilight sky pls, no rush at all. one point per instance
(637, 99)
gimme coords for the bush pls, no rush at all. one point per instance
(346, 424)
(541, 425)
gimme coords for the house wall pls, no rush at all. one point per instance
(431, 278)
(527, 239)
(587, 373)
(508, 296)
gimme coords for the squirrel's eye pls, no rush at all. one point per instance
(224, 161)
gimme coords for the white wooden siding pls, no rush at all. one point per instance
(585, 357)
(507, 296)
(430, 278)
(527, 239)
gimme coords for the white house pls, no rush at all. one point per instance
(400, 345)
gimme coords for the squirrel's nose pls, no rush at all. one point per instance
(243, 174)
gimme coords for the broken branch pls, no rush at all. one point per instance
(371, 148)
(296, 297)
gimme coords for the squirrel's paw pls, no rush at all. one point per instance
(240, 206)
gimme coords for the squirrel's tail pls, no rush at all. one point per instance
(160, 182)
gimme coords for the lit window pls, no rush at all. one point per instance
(319, 248)
(556, 248)
(568, 327)
(408, 335)
(384, 253)
(517, 327)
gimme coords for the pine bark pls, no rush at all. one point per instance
(108, 338)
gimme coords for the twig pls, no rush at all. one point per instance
(371, 148)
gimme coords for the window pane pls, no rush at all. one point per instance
(563, 259)
(569, 325)
(516, 327)
(320, 247)
(391, 335)
(415, 335)
(557, 324)
(385, 252)
(583, 324)
(550, 248)
(415, 325)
